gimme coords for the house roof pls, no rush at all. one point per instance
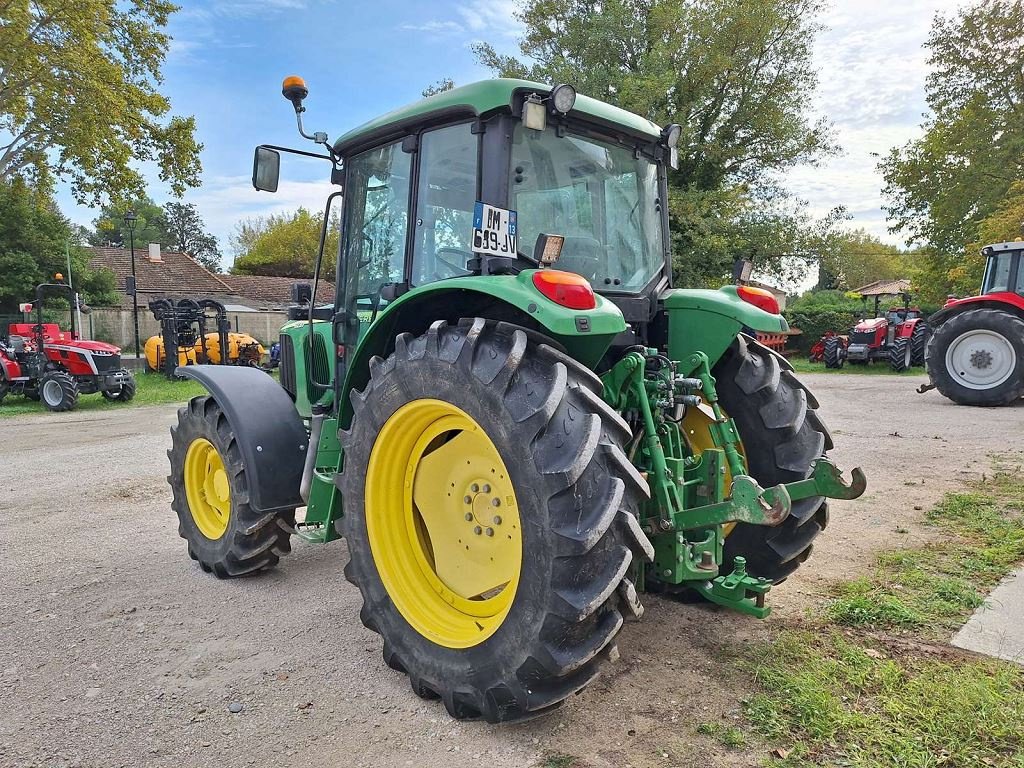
(275, 291)
(175, 273)
(884, 288)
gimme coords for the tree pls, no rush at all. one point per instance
(284, 245)
(187, 233)
(35, 241)
(442, 85)
(944, 184)
(856, 258)
(112, 230)
(735, 76)
(79, 97)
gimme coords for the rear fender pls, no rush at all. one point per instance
(701, 320)
(584, 334)
(270, 434)
(1007, 302)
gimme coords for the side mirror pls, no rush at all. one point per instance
(302, 293)
(84, 308)
(266, 169)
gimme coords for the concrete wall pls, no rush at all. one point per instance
(115, 326)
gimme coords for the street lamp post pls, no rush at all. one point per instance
(129, 219)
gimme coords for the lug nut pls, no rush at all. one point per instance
(497, 519)
(477, 530)
(489, 531)
(468, 499)
(474, 488)
(495, 502)
(469, 517)
(487, 488)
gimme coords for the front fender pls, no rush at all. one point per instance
(703, 320)
(270, 434)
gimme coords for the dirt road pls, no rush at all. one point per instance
(118, 651)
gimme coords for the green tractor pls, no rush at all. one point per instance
(514, 421)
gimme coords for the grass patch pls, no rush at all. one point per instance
(833, 694)
(833, 701)
(878, 368)
(559, 760)
(726, 735)
(153, 389)
(932, 590)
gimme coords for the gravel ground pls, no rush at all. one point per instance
(118, 651)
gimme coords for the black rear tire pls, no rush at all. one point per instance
(980, 322)
(901, 354)
(835, 355)
(578, 499)
(782, 435)
(58, 391)
(253, 541)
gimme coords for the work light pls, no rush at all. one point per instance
(562, 98)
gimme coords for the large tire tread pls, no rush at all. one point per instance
(550, 402)
(1009, 325)
(254, 541)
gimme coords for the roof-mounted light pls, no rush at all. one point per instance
(294, 89)
(563, 97)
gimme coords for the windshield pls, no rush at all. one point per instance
(998, 274)
(599, 196)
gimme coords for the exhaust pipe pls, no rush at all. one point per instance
(316, 426)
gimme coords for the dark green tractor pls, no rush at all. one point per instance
(510, 415)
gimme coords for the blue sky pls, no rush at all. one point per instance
(360, 59)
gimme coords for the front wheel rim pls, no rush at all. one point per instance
(207, 488)
(443, 525)
(53, 393)
(981, 359)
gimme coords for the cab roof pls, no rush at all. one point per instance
(478, 99)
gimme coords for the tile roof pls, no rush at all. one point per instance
(884, 288)
(273, 290)
(176, 272)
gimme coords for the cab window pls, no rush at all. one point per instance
(376, 222)
(445, 195)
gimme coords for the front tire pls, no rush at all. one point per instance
(556, 591)
(918, 342)
(782, 435)
(901, 355)
(977, 357)
(123, 394)
(211, 493)
(58, 391)
(835, 355)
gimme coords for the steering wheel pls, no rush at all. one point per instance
(460, 269)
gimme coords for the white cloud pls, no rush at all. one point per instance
(434, 27)
(872, 68)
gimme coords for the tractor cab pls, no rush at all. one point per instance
(1004, 268)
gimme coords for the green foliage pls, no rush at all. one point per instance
(736, 77)
(442, 85)
(838, 702)
(80, 97)
(112, 230)
(857, 258)
(726, 735)
(942, 186)
(933, 589)
(187, 233)
(813, 324)
(34, 242)
(284, 245)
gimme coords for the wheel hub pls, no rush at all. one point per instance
(207, 488)
(981, 358)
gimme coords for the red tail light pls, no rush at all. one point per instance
(759, 297)
(565, 288)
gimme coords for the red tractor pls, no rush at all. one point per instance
(898, 338)
(42, 362)
(976, 353)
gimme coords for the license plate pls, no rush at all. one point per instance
(494, 230)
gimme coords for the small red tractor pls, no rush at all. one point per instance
(832, 343)
(975, 355)
(42, 362)
(898, 337)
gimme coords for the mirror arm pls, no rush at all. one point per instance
(318, 385)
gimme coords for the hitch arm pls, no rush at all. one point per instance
(825, 480)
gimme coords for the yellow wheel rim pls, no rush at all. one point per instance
(443, 523)
(697, 433)
(207, 488)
